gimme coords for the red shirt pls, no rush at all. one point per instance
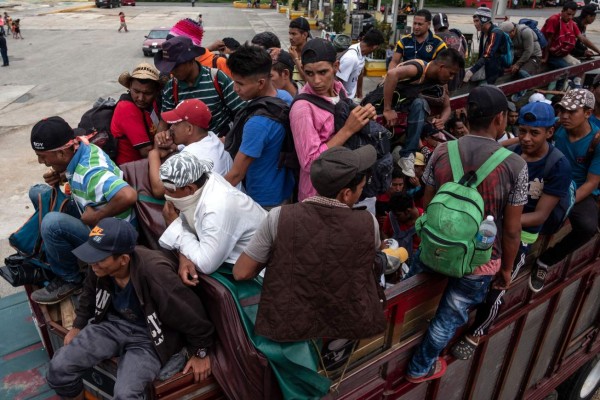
(130, 131)
(122, 18)
(564, 35)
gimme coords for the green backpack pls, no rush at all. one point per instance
(450, 224)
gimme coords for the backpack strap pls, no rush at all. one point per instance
(213, 74)
(317, 101)
(490, 164)
(589, 156)
(214, 60)
(455, 161)
(175, 91)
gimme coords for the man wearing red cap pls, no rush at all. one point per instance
(189, 127)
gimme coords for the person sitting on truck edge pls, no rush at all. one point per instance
(137, 113)
(282, 71)
(312, 273)
(421, 44)
(562, 34)
(139, 311)
(454, 39)
(585, 18)
(504, 193)
(299, 35)
(526, 48)
(257, 150)
(215, 220)
(352, 62)
(191, 80)
(413, 78)
(491, 43)
(312, 127)
(575, 137)
(97, 191)
(547, 185)
(189, 127)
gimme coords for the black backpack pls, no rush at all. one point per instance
(95, 124)
(273, 108)
(372, 133)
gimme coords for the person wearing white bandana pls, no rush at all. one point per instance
(215, 220)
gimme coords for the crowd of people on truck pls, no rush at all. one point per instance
(265, 167)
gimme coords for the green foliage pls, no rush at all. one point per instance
(339, 19)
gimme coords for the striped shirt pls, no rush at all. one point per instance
(95, 179)
(204, 89)
(426, 51)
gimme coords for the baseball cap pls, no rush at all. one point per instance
(537, 114)
(183, 169)
(577, 98)
(193, 111)
(317, 50)
(484, 14)
(175, 51)
(110, 236)
(507, 26)
(300, 23)
(588, 9)
(538, 97)
(337, 166)
(512, 107)
(440, 20)
(50, 134)
(486, 101)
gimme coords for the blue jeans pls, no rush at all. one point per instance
(138, 366)
(417, 116)
(453, 312)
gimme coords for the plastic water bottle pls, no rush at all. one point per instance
(487, 234)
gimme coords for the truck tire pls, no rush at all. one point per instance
(583, 384)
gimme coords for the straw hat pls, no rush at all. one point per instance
(142, 71)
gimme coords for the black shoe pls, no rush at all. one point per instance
(537, 277)
(56, 291)
(4, 65)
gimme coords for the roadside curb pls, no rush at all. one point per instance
(71, 9)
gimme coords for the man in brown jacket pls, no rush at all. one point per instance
(320, 280)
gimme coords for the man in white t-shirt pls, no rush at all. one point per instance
(189, 131)
(352, 62)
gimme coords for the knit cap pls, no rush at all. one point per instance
(484, 14)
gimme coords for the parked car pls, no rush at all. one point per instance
(108, 3)
(128, 2)
(154, 40)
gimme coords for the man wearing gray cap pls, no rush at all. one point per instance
(320, 256)
(215, 221)
(526, 47)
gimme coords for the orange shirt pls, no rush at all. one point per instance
(207, 60)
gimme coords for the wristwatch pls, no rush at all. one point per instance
(201, 353)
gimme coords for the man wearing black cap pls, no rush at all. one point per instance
(313, 128)
(299, 32)
(504, 193)
(595, 117)
(140, 312)
(585, 18)
(98, 191)
(311, 266)
(282, 71)
(191, 80)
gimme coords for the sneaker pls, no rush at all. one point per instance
(537, 277)
(407, 165)
(56, 291)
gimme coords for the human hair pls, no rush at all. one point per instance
(400, 202)
(373, 37)
(570, 5)
(450, 57)
(266, 40)
(280, 67)
(424, 13)
(155, 84)
(250, 60)
(353, 184)
(231, 43)
(479, 123)
(397, 173)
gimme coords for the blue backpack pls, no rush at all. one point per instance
(533, 25)
(506, 49)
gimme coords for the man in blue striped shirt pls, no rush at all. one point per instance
(97, 191)
(191, 80)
